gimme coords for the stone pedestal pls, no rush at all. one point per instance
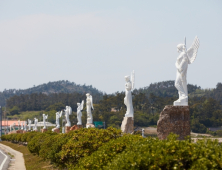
(43, 130)
(67, 129)
(89, 125)
(127, 125)
(56, 130)
(19, 131)
(76, 127)
(175, 119)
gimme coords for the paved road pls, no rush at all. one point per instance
(4, 161)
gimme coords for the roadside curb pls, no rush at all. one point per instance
(19, 162)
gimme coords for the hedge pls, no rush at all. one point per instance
(109, 150)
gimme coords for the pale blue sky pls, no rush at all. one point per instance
(99, 42)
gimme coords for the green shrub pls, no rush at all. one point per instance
(169, 154)
(107, 149)
(35, 144)
(85, 142)
(53, 145)
(100, 158)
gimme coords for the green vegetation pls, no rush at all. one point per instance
(99, 149)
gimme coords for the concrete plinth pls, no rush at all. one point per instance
(43, 130)
(19, 131)
(89, 125)
(67, 129)
(127, 125)
(175, 119)
(76, 127)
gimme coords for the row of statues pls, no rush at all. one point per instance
(24, 124)
(68, 111)
(185, 57)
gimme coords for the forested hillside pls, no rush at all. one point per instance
(49, 88)
(205, 105)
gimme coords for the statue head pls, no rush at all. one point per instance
(87, 94)
(127, 78)
(180, 47)
(78, 104)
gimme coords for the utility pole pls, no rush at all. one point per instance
(0, 122)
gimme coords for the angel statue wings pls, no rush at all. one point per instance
(129, 86)
(68, 111)
(79, 113)
(44, 118)
(89, 105)
(186, 57)
(58, 115)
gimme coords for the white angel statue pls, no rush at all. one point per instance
(130, 84)
(25, 126)
(68, 111)
(35, 122)
(12, 127)
(58, 115)
(186, 57)
(79, 113)
(44, 118)
(18, 124)
(22, 125)
(89, 105)
(29, 124)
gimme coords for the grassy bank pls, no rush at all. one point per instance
(32, 162)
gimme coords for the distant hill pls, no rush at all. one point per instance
(161, 89)
(165, 89)
(49, 88)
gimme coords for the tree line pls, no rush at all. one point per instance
(205, 105)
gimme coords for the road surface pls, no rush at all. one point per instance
(4, 161)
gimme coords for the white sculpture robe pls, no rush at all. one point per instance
(68, 111)
(25, 126)
(44, 118)
(128, 95)
(29, 124)
(18, 124)
(35, 122)
(58, 115)
(22, 125)
(186, 57)
(12, 127)
(79, 113)
(89, 105)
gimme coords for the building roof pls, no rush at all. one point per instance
(10, 122)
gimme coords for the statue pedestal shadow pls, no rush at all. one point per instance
(174, 119)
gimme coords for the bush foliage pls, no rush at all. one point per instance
(107, 149)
